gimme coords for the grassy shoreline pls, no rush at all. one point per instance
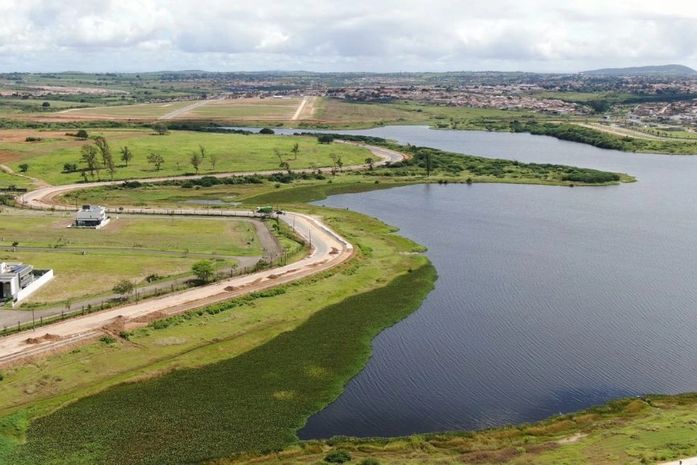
(378, 274)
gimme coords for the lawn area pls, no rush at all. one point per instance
(89, 262)
(9, 180)
(195, 235)
(231, 152)
(264, 363)
(630, 431)
(79, 276)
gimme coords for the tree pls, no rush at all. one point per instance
(429, 164)
(89, 157)
(23, 168)
(105, 151)
(212, 159)
(203, 270)
(156, 160)
(82, 134)
(160, 128)
(46, 105)
(202, 151)
(196, 160)
(124, 288)
(295, 151)
(339, 163)
(335, 159)
(69, 167)
(325, 138)
(266, 131)
(370, 162)
(126, 155)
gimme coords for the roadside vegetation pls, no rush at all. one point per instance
(281, 348)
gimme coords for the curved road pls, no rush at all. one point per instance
(328, 249)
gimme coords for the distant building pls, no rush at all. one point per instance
(18, 281)
(91, 216)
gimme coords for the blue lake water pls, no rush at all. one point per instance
(549, 299)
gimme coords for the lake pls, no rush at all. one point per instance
(549, 299)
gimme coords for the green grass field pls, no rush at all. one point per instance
(232, 152)
(144, 111)
(195, 235)
(89, 262)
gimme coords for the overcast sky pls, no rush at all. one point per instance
(344, 35)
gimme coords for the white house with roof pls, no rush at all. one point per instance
(18, 281)
(91, 216)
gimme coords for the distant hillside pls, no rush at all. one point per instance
(664, 70)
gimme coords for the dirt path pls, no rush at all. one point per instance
(328, 249)
(300, 109)
(186, 109)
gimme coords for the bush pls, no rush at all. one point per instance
(325, 138)
(107, 340)
(266, 131)
(338, 456)
(82, 134)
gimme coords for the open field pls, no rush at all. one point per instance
(142, 111)
(316, 364)
(232, 152)
(79, 276)
(199, 235)
(268, 109)
(89, 262)
(630, 431)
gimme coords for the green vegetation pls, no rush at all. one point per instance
(88, 263)
(276, 385)
(585, 135)
(232, 152)
(629, 431)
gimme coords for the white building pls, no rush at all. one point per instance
(91, 216)
(18, 281)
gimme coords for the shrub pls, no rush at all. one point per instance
(266, 131)
(82, 134)
(107, 339)
(337, 456)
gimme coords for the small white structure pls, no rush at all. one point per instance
(91, 216)
(18, 281)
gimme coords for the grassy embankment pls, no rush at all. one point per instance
(445, 167)
(88, 262)
(628, 431)
(232, 152)
(605, 140)
(264, 364)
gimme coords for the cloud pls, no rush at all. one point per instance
(324, 35)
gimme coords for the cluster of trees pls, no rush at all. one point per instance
(575, 133)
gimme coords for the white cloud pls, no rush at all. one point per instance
(363, 35)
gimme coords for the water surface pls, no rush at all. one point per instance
(549, 299)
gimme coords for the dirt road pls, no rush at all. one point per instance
(328, 249)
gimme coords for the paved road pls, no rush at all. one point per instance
(328, 249)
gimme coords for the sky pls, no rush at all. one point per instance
(344, 35)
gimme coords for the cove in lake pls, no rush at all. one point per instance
(549, 299)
